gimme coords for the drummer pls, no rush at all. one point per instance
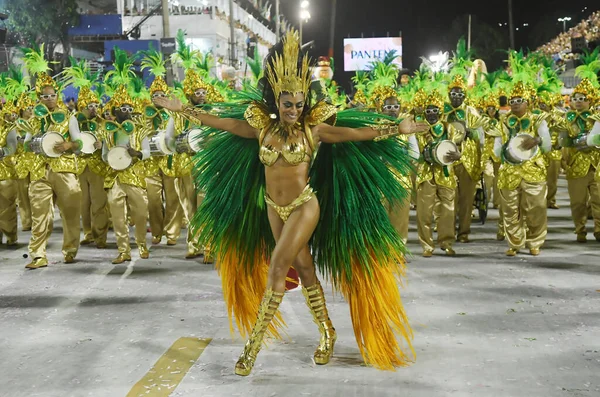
(53, 178)
(127, 187)
(436, 181)
(8, 184)
(198, 93)
(582, 160)
(522, 183)
(165, 219)
(468, 169)
(92, 169)
(23, 160)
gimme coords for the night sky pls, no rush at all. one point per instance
(424, 23)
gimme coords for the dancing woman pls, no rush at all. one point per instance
(347, 227)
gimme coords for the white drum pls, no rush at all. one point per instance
(188, 142)
(118, 158)
(159, 145)
(436, 152)
(44, 144)
(515, 154)
(89, 140)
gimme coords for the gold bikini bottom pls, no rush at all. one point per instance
(285, 211)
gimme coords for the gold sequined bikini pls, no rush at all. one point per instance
(293, 153)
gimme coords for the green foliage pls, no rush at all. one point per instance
(42, 20)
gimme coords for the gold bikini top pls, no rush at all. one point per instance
(297, 148)
(293, 152)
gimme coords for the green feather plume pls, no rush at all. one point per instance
(590, 67)
(123, 69)
(255, 65)
(34, 59)
(154, 62)
(184, 54)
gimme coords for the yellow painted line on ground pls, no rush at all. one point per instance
(170, 368)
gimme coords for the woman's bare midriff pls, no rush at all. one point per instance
(285, 182)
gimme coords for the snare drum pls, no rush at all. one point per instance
(188, 142)
(89, 140)
(514, 154)
(434, 153)
(159, 145)
(44, 144)
(118, 158)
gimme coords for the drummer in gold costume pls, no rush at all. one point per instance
(547, 103)
(162, 171)
(127, 187)
(53, 179)
(468, 168)
(523, 184)
(435, 181)
(386, 102)
(23, 161)
(8, 184)
(582, 158)
(91, 167)
(198, 93)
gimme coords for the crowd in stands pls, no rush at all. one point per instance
(560, 47)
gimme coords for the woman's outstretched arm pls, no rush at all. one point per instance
(237, 127)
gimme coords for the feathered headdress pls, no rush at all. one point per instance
(283, 71)
(37, 66)
(154, 62)
(120, 78)
(384, 76)
(80, 76)
(589, 73)
(189, 60)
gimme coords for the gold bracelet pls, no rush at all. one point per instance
(385, 131)
(191, 111)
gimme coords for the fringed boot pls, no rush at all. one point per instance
(315, 299)
(266, 312)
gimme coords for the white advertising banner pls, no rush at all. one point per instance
(361, 52)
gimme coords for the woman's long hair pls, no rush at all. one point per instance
(268, 95)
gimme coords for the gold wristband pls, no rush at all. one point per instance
(385, 131)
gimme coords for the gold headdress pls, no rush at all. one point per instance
(153, 60)
(25, 100)
(121, 97)
(283, 73)
(458, 82)
(585, 87)
(80, 76)
(38, 66)
(193, 81)
(521, 90)
(434, 99)
(380, 94)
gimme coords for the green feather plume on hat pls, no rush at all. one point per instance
(590, 67)
(123, 69)
(154, 62)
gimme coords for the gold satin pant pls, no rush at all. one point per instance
(284, 212)
(62, 187)
(584, 191)
(552, 181)
(23, 202)
(168, 219)
(427, 194)
(465, 195)
(490, 176)
(399, 214)
(525, 215)
(190, 201)
(94, 203)
(119, 197)
(8, 210)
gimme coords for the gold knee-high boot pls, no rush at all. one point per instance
(266, 312)
(315, 299)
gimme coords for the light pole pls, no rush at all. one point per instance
(564, 20)
(304, 16)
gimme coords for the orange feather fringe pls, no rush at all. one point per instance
(378, 316)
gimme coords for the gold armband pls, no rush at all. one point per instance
(193, 112)
(385, 131)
